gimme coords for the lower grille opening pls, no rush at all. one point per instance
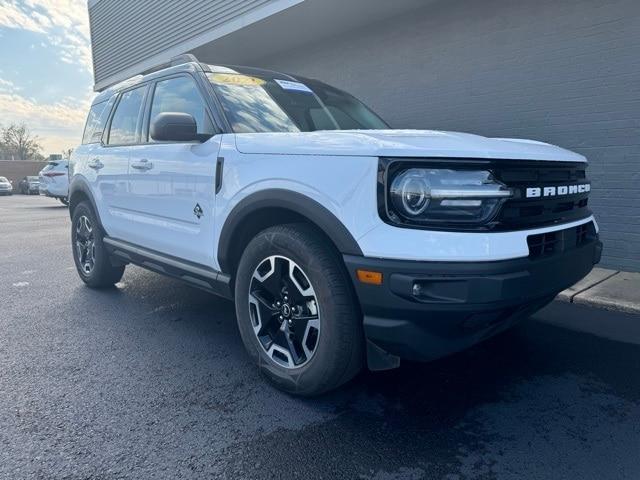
(543, 243)
(550, 243)
(583, 234)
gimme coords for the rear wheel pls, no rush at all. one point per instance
(297, 312)
(89, 254)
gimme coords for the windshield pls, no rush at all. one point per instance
(3, 180)
(261, 104)
(32, 179)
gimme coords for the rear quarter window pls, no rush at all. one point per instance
(96, 122)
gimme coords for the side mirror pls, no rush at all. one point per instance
(174, 127)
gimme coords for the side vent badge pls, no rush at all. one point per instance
(197, 211)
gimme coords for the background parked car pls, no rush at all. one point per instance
(5, 186)
(29, 185)
(54, 180)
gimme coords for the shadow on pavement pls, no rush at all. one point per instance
(536, 402)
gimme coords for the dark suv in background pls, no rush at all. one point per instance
(29, 185)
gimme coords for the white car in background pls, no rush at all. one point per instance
(5, 186)
(54, 180)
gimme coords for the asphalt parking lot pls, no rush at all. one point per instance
(150, 380)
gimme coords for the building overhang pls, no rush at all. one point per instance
(276, 27)
(303, 24)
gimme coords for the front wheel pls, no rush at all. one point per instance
(89, 253)
(297, 312)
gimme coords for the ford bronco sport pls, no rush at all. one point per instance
(342, 241)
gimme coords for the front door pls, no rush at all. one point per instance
(172, 184)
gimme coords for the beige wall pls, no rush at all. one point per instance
(15, 170)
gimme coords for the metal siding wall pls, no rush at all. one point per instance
(125, 32)
(563, 72)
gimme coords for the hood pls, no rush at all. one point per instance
(400, 143)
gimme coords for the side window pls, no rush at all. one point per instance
(96, 122)
(125, 119)
(92, 122)
(181, 95)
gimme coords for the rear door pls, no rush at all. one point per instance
(110, 160)
(172, 184)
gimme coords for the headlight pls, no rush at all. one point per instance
(429, 196)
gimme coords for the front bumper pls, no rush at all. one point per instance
(426, 310)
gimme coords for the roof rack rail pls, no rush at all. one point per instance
(184, 58)
(177, 60)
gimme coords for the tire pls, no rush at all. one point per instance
(330, 356)
(64, 201)
(96, 269)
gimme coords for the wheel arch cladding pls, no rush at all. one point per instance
(79, 191)
(272, 207)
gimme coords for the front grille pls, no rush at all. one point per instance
(521, 212)
(550, 243)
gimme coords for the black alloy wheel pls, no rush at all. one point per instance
(284, 311)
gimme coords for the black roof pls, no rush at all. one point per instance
(186, 63)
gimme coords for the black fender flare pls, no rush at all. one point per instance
(288, 200)
(79, 185)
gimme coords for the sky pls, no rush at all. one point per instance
(46, 75)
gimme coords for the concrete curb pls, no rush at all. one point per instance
(608, 289)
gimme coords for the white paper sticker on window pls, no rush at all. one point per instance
(295, 86)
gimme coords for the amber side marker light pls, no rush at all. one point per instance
(369, 277)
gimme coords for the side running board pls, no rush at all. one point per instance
(199, 276)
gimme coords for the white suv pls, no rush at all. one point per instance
(54, 180)
(342, 241)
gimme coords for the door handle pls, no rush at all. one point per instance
(96, 164)
(143, 164)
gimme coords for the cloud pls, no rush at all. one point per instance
(58, 125)
(64, 22)
(64, 26)
(7, 86)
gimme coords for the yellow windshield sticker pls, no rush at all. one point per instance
(236, 79)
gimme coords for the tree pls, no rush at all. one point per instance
(16, 141)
